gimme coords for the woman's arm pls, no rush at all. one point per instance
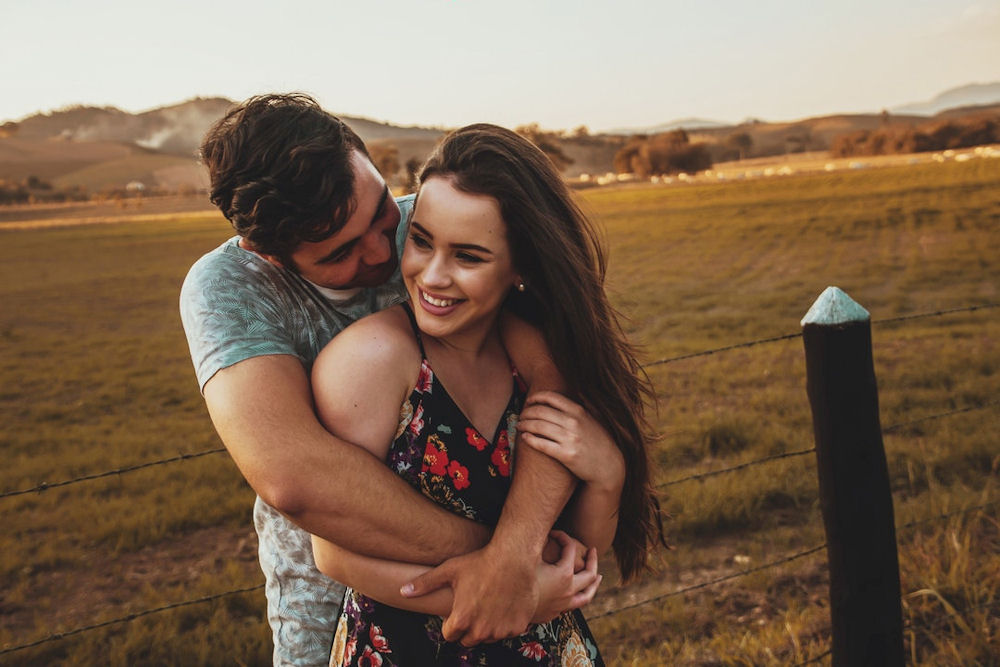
(561, 588)
(562, 429)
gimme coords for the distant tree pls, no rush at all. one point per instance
(35, 183)
(385, 157)
(548, 142)
(741, 142)
(665, 153)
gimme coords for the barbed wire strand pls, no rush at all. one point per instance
(969, 408)
(131, 617)
(948, 515)
(45, 486)
(711, 582)
(735, 346)
(802, 452)
(774, 339)
(937, 313)
(748, 464)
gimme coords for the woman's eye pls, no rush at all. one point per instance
(419, 241)
(466, 257)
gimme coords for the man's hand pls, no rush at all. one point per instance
(497, 595)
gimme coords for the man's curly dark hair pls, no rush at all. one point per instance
(281, 173)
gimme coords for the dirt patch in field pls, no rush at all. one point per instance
(75, 597)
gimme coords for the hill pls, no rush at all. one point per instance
(973, 94)
(104, 148)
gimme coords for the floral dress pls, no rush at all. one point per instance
(440, 453)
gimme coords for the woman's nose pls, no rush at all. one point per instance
(435, 272)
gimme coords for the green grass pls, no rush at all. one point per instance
(95, 376)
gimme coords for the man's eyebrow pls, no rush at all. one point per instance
(347, 247)
(458, 246)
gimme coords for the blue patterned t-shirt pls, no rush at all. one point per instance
(235, 305)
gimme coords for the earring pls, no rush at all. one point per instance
(520, 286)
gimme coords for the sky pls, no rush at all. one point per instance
(560, 63)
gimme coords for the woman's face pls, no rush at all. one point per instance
(457, 264)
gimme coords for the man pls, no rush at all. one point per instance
(318, 241)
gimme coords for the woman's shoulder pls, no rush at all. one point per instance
(381, 340)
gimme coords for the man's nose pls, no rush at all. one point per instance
(376, 248)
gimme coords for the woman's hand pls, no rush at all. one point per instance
(560, 588)
(562, 429)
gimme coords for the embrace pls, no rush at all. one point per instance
(431, 395)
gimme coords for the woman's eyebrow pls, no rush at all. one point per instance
(461, 246)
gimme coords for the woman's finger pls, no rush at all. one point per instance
(544, 413)
(555, 400)
(543, 429)
(546, 447)
(585, 596)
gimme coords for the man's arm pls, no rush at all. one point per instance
(262, 409)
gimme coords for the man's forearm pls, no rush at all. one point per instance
(376, 513)
(540, 489)
(325, 485)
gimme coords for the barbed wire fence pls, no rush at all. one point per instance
(776, 563)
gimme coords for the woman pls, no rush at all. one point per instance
(493, 227)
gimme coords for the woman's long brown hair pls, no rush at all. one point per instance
(559, 254)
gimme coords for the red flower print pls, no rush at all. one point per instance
(424, 378)
(435, 460)
(350, 649)
(460, 474)
(370, 658)
(533, 650)
(474, 439)
(378, 641)
(501, 459)
(417, 423)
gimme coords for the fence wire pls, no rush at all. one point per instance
(45, 486)
(711, 582)
(127, 619)
(803, 452)
(773, 339)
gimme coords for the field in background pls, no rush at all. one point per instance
(96, 376)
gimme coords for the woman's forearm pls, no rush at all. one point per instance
(379, 579)
(593, 516)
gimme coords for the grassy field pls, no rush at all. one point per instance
(95, 376)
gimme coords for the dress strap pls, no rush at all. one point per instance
(413, 324)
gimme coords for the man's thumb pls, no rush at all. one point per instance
(426, 583)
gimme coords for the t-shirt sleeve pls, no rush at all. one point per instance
(231, 313)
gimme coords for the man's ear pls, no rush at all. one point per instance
(274, 259)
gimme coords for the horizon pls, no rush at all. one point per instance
(566, 66)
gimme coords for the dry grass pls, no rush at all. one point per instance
(98, 377)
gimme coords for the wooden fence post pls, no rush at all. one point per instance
(853, 483)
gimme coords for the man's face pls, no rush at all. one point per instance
(363, 252)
